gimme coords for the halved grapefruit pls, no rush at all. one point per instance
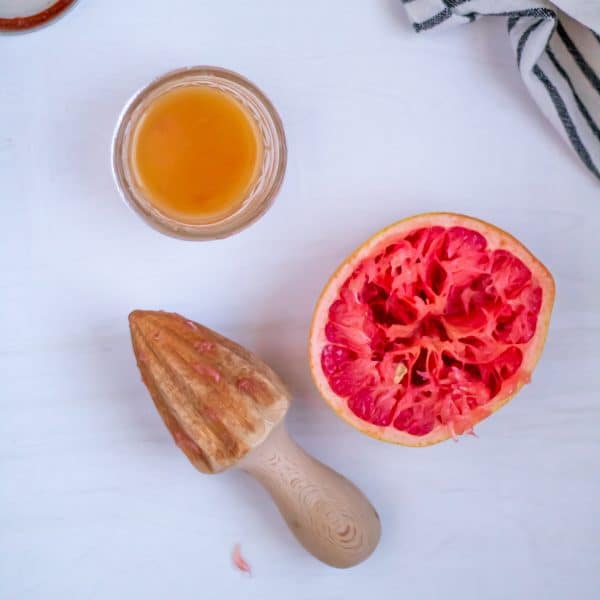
(429, 327)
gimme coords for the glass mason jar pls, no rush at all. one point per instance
(270, 171)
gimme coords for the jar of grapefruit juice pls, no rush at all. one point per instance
(199, 153)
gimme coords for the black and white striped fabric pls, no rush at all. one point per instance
(558, 57)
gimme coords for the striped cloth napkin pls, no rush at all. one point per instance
(557, 55)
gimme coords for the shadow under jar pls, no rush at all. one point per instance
(199, 153)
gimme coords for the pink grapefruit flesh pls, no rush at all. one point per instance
(429, 327)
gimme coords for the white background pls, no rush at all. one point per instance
(95, 499)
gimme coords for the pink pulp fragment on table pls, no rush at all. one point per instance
(239, 562)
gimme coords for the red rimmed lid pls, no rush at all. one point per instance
(23, 15)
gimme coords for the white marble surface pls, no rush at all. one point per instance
(95, 500)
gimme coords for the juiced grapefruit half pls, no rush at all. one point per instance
(429, 327)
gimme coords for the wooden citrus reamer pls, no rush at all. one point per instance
(225, 407)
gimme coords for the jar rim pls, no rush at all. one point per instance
(38, 20)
